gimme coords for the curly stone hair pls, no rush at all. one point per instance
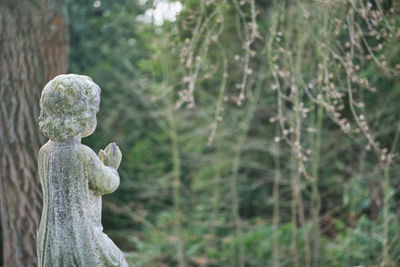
(68, 106)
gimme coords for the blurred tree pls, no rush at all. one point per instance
(34, 48)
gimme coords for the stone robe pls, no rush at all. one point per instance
(70, 233)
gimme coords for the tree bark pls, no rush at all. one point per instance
(33, 49)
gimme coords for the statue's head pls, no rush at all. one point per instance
(68, 107)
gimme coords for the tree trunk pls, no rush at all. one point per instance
(33, 49)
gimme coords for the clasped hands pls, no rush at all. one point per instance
(111, 156)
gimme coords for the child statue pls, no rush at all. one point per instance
(74, 178)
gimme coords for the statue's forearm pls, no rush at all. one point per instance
(105, 181)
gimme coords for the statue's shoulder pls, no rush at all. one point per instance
(85, 151)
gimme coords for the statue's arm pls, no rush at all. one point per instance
(105, 181)
(102, 179)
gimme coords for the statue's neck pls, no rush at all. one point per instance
(68, 142)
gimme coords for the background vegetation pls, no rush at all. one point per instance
(254, 133)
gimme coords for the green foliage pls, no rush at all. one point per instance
(353, 246)
(200, 152)
(361, 245)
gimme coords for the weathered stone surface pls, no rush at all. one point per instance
(74, 178)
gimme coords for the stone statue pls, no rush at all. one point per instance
(74, 178)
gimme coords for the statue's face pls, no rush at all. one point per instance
(91, 125)
(91, 122)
